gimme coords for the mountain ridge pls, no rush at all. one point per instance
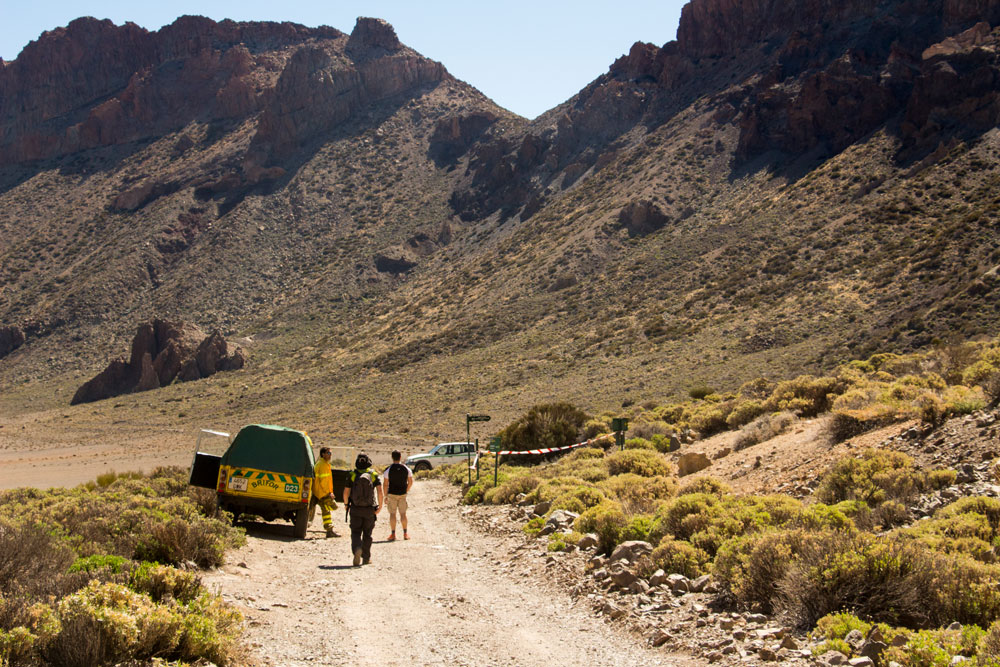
(819, 190)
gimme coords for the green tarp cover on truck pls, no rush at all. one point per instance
(271, 448)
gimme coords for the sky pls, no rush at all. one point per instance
(528, 56)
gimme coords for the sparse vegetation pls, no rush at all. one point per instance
(89, 576)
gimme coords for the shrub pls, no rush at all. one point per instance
(763, 429)
(807, 396)
(510, 488)
(607, 520)
(869, 576)
(699, 392)
(534, 526)
(161, 582)
(639, 443)
(749, 568)
(837, 625)
(874, 477)
(639, 494)
(545, 425)
(674, 556)
(745, 412)
(578, 499)
(640, 462)
(674, 518)
(989, 644)
(707, 484)
(637, 528)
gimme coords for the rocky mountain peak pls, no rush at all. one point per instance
(371, 33)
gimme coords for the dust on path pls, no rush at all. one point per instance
(436, 599)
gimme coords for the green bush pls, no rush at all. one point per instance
(874, 478)
(750, 568)
(639, 494)
(674, 556)
(707, 484)
(510, 487)
(640, 462)
(545, 425)
(607, 521)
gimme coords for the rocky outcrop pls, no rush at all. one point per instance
(454, 136)
(325, 84)
(11, 338)
(95, 84)
(642, 218)
(161, 353)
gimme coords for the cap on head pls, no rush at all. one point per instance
(362, 462)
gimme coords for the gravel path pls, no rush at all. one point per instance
(437, 599)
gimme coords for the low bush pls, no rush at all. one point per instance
(639, 495)
(607, 521)
(672, 556)
(640, 462)
(707, 484)
(875, 477)
(763, 429)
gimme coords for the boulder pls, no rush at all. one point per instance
(701, 583)
(691, 463)
(542, 508)
(588, 541)
(833, 658)
(658, 578)
(855, 639)
(623, 578)
(678, 583)
(561, 519)
(861, 662)
(631, 550)
(11, 338)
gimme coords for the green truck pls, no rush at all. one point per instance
(266, 471)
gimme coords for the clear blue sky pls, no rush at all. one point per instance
(528, 56)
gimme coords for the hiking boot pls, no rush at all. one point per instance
(331, 533)
(366, 561)
(406, 535)
(357, 557)
(391, 538)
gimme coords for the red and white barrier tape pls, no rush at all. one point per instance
(549, 450)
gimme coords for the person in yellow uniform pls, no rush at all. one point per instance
(323, 491)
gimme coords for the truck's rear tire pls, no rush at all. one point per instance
(421, 465)
(301, 522)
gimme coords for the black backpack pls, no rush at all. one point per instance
(363, 489)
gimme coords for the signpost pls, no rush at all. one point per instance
(468, 438)
(619, 425)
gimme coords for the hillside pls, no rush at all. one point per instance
(785, 186)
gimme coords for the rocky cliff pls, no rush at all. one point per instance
(792, 76)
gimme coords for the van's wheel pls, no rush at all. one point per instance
(301, 522)
(421, 465)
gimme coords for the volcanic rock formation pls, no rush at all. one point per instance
(162, 351)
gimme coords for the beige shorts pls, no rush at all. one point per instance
(396, 504)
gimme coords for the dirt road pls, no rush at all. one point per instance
(446, 597)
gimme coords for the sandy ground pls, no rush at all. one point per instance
(441, 598)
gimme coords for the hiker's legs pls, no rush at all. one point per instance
(366, 535)
(357, 526)
(402, 512)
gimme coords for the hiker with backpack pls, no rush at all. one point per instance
(398, 480)
(362, 507)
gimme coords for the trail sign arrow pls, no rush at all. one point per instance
(477, 418)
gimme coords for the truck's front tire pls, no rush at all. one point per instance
(301, 522)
